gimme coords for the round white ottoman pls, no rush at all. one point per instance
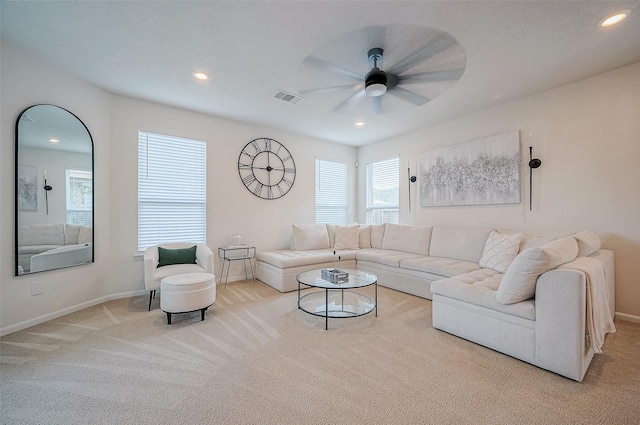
(188, 292)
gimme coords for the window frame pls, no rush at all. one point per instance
(386, 213)
(342, 206)
(88, 221)
(172, 189)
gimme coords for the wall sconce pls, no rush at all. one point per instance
(533, 163)
(47, 188)
(412, 179)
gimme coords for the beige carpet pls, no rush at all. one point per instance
(257, 359)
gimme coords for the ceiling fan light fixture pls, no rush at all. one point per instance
(375, 83)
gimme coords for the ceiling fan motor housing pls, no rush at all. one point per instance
(375, 82)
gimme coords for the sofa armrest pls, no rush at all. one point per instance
(151, 258)
(205, 257)
(560, 323)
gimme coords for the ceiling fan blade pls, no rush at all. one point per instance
(334, 69)
(408, 96)
(350, 101)
(376, 105)
(436, 45)
(331, 89)
(432, 76)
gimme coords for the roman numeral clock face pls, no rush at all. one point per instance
(266, 168)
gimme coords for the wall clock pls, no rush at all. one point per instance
(266, 168)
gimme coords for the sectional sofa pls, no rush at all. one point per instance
(544, 298)
(46, 246)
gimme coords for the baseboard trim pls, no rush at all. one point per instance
(72, 309)
(628, 317)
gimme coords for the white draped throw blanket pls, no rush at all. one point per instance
(599, 321)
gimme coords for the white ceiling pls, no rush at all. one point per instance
(250, 50)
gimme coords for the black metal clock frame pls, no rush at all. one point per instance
(266, 168)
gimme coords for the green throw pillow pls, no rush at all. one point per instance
(176, 256)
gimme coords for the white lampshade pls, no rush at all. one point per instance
(375, 90)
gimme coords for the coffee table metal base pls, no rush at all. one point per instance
(337, 303)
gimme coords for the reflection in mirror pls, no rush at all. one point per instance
(54, 190)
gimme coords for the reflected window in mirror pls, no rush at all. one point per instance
(54, 192)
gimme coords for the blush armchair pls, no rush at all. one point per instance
(153, 274)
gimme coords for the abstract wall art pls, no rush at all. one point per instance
(27, 188)
(479, 172)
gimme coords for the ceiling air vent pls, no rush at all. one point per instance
(287, 97)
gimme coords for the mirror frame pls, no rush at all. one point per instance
(16, 165)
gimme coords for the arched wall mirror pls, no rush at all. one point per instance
(54, 190)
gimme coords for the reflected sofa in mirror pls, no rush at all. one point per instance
(53, 190)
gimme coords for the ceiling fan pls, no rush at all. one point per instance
(426, 65)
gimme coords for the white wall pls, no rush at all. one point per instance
(114, 122)
(26, 80)
(587, 135)
(231, 208)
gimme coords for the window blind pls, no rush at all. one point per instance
(171, 190)
(79, 197)
(331, 192)
(382, 181)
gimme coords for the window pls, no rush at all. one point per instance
(171, 190)
(331, 192)
(382, 191)
(79, 195)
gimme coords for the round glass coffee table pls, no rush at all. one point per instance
(337, 300)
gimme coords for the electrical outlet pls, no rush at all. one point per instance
(36, 288)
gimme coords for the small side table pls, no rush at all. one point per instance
(242, 253)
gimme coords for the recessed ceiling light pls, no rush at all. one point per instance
(53, 140)
(201, 76)
(614, 18)
(359, 123)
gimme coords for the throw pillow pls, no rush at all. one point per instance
(347, 237)
(168, 257)
(85, 235)
(588, 242)
(500, 250)
(519, 282)
(310, 236)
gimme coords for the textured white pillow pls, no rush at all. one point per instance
(499, 251)
(519, 282)
(85, 235)
(347, 237)
(588, 242)
(310, 236)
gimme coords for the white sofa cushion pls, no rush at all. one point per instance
(415, 239)
(440, 266)
(387, 257)
(458, 242)
(479, 288)
(41, 234)
(377, 234)
(499, 251)
(285, 258)
(347, 237)
(519, 282)
(588, 242)
(364, 238)
(310, 236)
